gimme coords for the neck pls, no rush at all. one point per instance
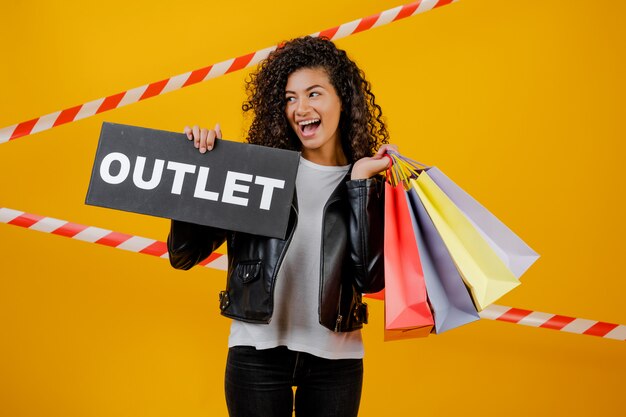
(328, 157)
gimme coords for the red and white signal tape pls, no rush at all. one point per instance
(554, 322)
(176, 82)
(219, 261)
(97, 235)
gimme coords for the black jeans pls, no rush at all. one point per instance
(259, 383)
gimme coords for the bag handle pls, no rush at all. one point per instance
(402, 169)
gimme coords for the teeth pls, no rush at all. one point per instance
(308, 122)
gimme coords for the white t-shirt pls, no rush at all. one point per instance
(295, 320)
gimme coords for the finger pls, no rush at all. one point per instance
(384, 149)
(218, 131)
(204, 133)
(389, 160)
(188, 133)
(210, 142)
(380, 164)
(380, 152)
(196, 136)
(376, 166)
(384, 163)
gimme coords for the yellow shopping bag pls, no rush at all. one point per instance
(486, 275)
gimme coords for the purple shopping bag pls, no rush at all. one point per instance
(512, 250)
(448, 296)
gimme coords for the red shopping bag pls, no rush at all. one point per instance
(407, 313)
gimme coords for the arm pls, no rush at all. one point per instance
(367, 206)
(366, 198)
(188, 243)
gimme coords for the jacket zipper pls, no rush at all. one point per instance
(284, 251)
(332, 199)
(339, 316)
(338, 323)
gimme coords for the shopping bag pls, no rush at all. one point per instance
(448, 296)
(486, 275)
(407, 313)
(512, 250)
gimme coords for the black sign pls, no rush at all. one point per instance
(235, 186)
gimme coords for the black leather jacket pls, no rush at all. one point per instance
(351, 258)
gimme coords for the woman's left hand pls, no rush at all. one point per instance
(368, 166)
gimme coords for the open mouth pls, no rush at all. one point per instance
(309, 127)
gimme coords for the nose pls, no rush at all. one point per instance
(302, 107)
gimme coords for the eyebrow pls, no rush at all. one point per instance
(308, 89)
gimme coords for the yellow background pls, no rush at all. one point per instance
(522, 103)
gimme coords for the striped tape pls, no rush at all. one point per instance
(97, 235)
(218, 261)
(554, 322)
(177, 82)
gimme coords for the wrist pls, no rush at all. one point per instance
(359, 175)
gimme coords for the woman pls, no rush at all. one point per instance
(296, 303)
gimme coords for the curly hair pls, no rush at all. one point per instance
(361, 127)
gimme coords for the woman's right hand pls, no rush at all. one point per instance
(203, 139)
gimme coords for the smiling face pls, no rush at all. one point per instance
(313, 110)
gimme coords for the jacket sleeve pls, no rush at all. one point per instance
(366, 198)
(188, 243)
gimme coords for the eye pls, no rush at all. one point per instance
(314, 94)
(290, 99)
